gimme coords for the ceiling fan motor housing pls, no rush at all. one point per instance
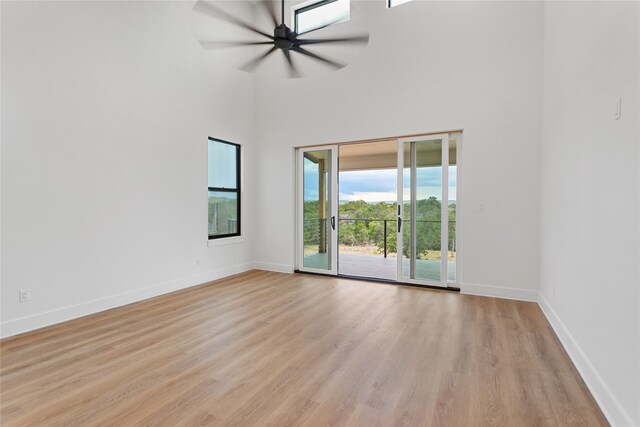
(283, 37)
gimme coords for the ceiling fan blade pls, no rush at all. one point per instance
(293, 70)
(251, 65)
(334, 64)
(347, 40)
(211, 10)
(216, 44)
(268, 5)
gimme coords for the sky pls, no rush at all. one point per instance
(379, 185)
(370, 186)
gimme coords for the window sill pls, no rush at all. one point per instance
(212, 243)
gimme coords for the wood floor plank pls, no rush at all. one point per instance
(271, 349)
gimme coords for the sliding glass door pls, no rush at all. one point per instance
(317, 210)
(419, 229)
(423, 211)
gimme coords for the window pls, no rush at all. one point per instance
(320, 14)
(392, 3)
(224, 189)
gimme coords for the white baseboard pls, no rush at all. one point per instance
(48, 318)
(499, 292)
(279, 268)
(612, 409)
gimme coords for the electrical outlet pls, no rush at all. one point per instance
(197, 261)
(480, 207)
(24, 295)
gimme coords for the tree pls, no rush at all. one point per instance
(361, 224)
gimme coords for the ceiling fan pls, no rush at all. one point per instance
(283, 38)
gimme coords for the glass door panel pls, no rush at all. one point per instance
(424, 216)
(316, 211)
(427, 210)
(407, 230)
(452, 211)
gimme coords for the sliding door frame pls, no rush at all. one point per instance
(457, 135)
(459, 201)
(444, 213)
(332, 191)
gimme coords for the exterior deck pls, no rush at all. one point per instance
(378, 267)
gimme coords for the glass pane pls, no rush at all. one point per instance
(428, 209)
(329, 13)
(223, 213)
(453, 197)
(393, 3)
(222, 165)
(406, 216)
(422, 230)
(316, 225)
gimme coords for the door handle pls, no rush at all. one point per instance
(399, 224)
(333, 222)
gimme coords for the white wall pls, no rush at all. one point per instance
(429, 66)
(590, 215)
(106, 109)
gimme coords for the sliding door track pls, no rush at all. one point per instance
(384, 281)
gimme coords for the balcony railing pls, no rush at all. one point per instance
(314, 227)
(385, 228)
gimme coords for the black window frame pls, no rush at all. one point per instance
(236, 190)
(304, 9)
(389, 5)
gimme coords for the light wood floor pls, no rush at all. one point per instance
(269, 349)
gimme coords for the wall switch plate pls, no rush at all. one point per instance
(618, 110)
(197, 261)
(481, 207)
(24, 295)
